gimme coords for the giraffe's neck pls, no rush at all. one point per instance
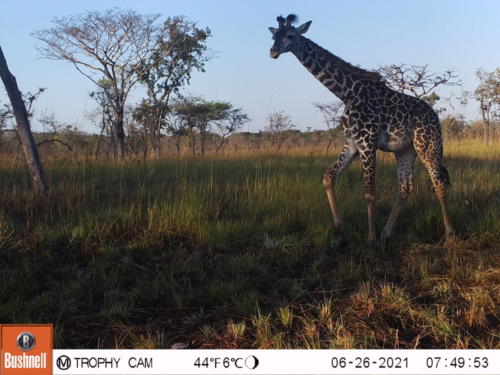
(335, 74)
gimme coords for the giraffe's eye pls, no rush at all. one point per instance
(288, 36)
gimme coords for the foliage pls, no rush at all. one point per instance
(198, 116)
(111, 44)
(231, 120)
(487, 94)
(180, 48)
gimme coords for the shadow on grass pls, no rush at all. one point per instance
(240, 253)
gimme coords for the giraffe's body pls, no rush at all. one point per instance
(375, 117)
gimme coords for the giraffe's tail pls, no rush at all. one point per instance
(445, 176)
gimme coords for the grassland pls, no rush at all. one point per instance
(238, 252)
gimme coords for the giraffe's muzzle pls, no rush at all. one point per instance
(274, 54)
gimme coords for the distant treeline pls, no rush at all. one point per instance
(72, 144)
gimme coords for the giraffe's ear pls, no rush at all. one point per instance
(302, 29)
(273, 30)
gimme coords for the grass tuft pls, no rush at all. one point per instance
(238, 252)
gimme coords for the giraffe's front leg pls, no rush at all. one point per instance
(347, 155)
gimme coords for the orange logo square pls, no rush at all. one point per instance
(26, 349)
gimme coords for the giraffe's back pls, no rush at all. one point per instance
(402, 119)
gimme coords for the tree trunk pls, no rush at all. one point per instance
(112, 138)
(98, 143)
(23, 128)
(486, 133)
(221, 144)
(486, 125)
(160, 115)
(178, 144)
(158, 137)
(203, 138)
(120, 133)
(193, 141)
(151, 137)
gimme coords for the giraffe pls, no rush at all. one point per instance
(375, 118)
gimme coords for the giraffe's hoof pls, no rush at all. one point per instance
(338, 231)
(382, 241)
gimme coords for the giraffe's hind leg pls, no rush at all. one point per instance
(347, 155)
(404, 162)
(429, 147)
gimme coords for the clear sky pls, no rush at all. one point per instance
(459, 34)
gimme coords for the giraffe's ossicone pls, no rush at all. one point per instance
(375, 118)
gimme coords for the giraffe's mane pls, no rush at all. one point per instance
(374, 76)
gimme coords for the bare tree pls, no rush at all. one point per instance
(23, 127)
(145, 115)
(29, 99)
(454, 126)
(417, 80)
(278, 129)
(137, 134)
(54, 129)
(103, 98)
(332, 114)
(112, 44)
(5, 114)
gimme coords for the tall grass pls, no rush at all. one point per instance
(237, 251)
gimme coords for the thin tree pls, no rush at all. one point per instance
(277, 131)
(23, 127)
(332, 113)
(184, 110)
(103, 99)
(487, 94)
(176, 128)
(199, 117)
(55, 132)
(180, 48)
(29, 99)
(112, 44)
(231, 120)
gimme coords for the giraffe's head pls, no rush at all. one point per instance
(286, 36)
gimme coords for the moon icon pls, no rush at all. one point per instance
(251, 362)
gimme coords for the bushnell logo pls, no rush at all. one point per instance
(26, 341)
(26, 349)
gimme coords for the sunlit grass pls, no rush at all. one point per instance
(237, 251)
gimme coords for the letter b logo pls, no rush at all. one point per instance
(26, 341)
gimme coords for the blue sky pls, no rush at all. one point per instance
(459, 34)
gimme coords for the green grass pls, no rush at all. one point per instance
(238, 252)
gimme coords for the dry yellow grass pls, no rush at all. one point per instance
(237, 251)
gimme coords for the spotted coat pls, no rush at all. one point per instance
(376, 117)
